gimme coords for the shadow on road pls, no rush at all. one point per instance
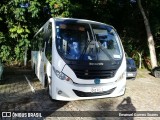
(16, 95)
(30, 102)
(12, 75)
(126, 107)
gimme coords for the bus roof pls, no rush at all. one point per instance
(74, 20)
(79, 20)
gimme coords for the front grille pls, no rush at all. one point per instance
(90, 94)
(92, 74)
(131, 69)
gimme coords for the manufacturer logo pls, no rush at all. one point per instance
(95, 63)
(97, 81)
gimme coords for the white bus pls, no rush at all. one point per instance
(79, 59)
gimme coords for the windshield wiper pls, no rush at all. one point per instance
(86, 46)
(84, 50)
(106, 52)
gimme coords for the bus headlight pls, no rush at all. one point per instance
(61, 75)
(121, 76)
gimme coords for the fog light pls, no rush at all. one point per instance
(59, 92)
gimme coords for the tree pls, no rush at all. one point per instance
(20, 20)
(18, 26)
(149, 37)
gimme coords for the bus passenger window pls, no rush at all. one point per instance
(48, 51)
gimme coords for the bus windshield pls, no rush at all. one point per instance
(87, 41)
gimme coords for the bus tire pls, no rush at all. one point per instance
(47, 89)
(46, 85)
(46, 81)
(32, 65)
(34, 70)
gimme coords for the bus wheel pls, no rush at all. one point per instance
(32, 65)
(34, 68)
(46, 85)
(33, 71)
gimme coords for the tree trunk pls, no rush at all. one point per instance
(149, 37)
(140, 59)
(25, 57)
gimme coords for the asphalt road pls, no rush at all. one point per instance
(21, 91)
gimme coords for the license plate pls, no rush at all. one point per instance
(130, 74)
(95, 90)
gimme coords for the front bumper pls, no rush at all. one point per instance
(68, 91)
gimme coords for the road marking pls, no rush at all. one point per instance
(29, 83)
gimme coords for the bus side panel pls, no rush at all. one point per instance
(42, 67)
(34, 60)
(38, 64)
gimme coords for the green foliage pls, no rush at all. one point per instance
(2, 38)
(34, 8)
(59, 8)
(19, 22)
(5, 53)
(17, 33)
